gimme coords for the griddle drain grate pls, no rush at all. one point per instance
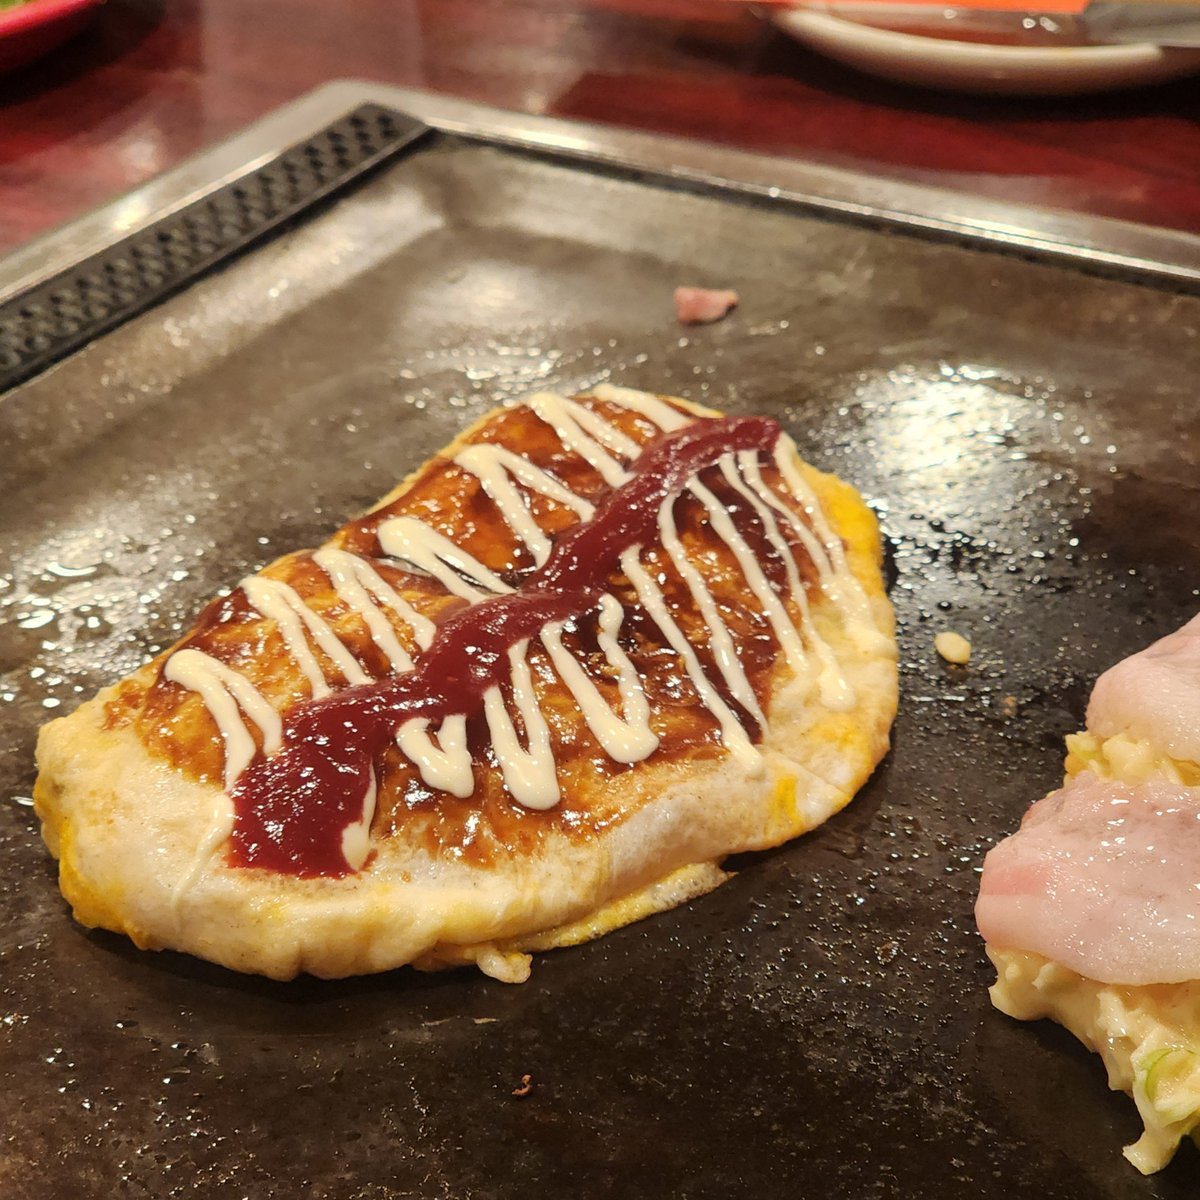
(55, 318)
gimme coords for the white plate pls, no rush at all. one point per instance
(981, 68)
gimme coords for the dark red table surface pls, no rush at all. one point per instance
(152, 81)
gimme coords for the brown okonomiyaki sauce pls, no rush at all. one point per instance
(175, 724)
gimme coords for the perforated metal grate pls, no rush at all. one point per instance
(49, 321)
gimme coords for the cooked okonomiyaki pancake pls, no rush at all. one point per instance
(541, 690)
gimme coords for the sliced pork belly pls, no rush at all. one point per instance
(1154, 696)
(1091, 910)
(1102, 877)
(702, 306)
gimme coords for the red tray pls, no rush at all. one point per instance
(31, 30)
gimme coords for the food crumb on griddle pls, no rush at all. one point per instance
(953, 647)
(526, 1086)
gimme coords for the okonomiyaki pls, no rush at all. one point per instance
(542, 689)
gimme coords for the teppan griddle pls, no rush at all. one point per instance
(1014, 391)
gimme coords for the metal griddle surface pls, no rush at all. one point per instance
(820, 1025)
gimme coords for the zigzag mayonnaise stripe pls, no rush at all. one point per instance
(446, 766)
(569, 419)
(223, 690)
(720, 640)
(651, 599)
(285, 606)
(626, 740)
(355, 581)
(529, 770)
(836, 693)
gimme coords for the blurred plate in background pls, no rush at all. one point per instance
(37, 27)
(981, 67)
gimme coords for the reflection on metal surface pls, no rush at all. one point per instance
(43, 324)
(1158, 253)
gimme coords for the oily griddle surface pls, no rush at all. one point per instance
(819, 1025)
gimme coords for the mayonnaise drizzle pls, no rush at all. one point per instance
(355, 581)
(570, 420)
(836, 692)
(285, 606)
(432, 553)
(720, 639)
(356, 837)
(223, 690)
(651, 599)
(528, 773)
(628, 740)
(447, 765)
(526, 758)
